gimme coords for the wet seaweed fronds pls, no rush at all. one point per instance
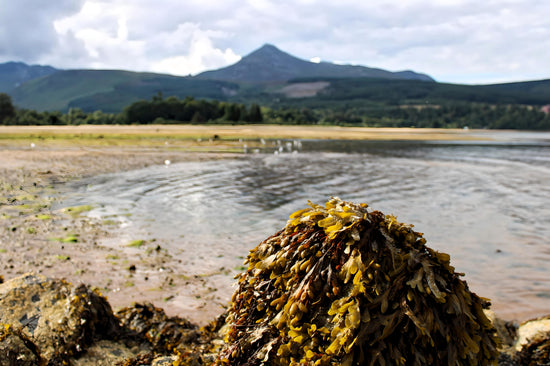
(344, 285)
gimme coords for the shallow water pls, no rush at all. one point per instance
(487, 204)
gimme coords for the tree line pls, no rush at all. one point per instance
(172, 110)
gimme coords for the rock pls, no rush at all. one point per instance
(165, 335)
(60, 320)
(506, 330)
(164, 361)
(533, 343)
(50, 322)
(17, 349)
(104, 353)
(530, 330)
(345, 285)
(536, 352)
(162, 332)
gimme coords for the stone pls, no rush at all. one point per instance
(61, 320)
(16, 348)
(104, 353)
(530, 330)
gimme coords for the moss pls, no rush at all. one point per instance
(71, 238)
(77, 210)
(136, 243)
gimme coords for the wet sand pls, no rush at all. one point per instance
(35, 162)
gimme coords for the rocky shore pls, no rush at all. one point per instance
(62, 242)
(47, 321)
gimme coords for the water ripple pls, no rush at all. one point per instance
(488, 206)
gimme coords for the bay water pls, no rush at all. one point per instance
(486, 203)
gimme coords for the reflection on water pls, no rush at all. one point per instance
(488, 205)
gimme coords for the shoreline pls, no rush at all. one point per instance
(66, 244)
(234, 132)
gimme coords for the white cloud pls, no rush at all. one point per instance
(201, 56)
(494, 40)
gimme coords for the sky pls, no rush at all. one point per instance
(457, 41)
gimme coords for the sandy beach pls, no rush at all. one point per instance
(35, 162)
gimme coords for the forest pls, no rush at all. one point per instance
(173, 110)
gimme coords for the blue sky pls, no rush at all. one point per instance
(459, 41)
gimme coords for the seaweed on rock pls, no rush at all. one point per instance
(344, 285)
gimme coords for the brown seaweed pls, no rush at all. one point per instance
(344, 285)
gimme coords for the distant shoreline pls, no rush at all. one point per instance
(232, 132)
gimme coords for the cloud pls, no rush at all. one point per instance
(464, 40)
(201, 55)
(26, 27)
(144, 36)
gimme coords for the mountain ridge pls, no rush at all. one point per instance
(270, 64)
(267, 76)
(13, 74)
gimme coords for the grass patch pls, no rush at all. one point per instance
(136, 243)
(73, 238)
(2, 250)
(63, 257)
(43, 217)
(77, 210)
(70, 239)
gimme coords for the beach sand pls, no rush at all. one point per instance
(36, 162)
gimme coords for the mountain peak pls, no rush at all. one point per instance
(268, 47)
(269, 64)
(269, 53)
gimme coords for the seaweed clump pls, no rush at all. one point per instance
(344, 285)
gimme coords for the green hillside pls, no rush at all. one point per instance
(13, 74)
(407, 92)
(268, 77)
(109, 90)
(56, 91)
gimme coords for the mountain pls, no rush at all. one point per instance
(110, 90)
(13, 74)
(270, 64)
(267, 76)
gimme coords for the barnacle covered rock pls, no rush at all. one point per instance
(536, 352)
(16, 348)
(344, 285)
(45, 321)
(52, 318)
